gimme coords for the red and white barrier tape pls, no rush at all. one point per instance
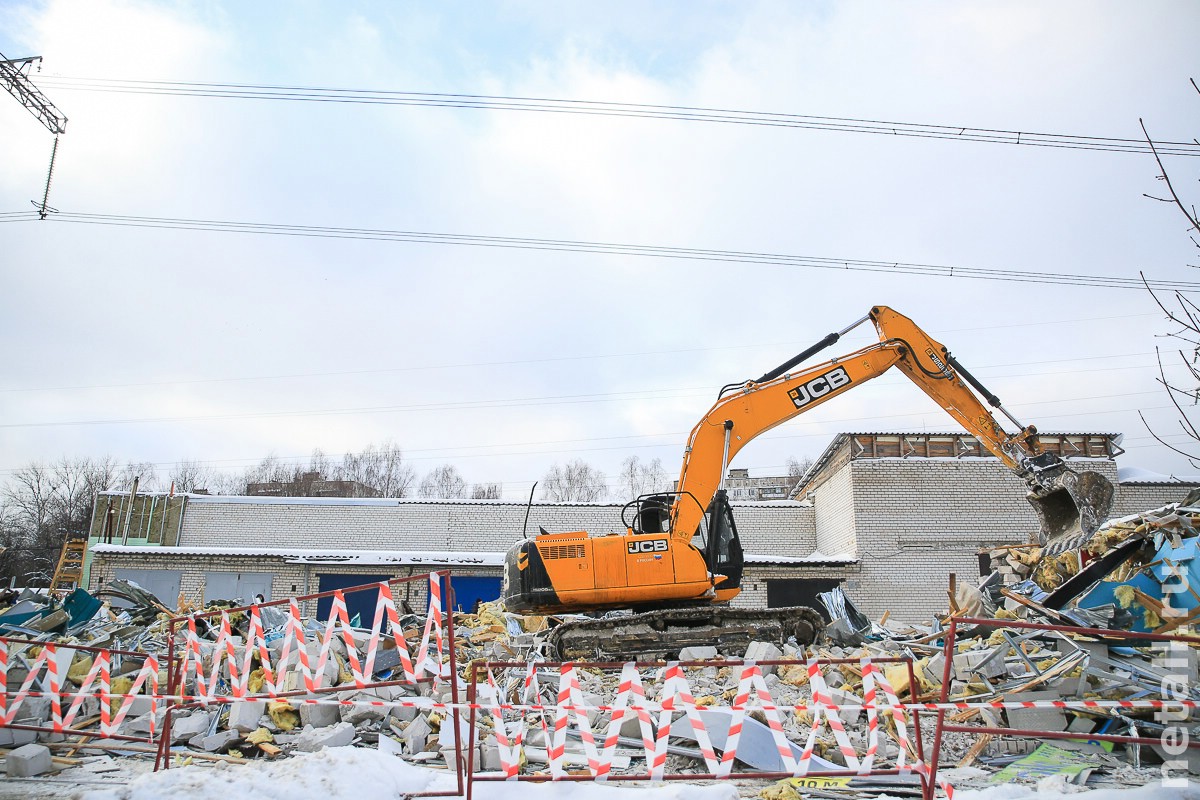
(206, 672)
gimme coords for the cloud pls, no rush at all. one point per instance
(553, 346)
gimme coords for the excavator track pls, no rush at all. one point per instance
(661, 635)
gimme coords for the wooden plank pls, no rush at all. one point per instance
(969, 758)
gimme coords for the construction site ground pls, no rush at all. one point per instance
(1012, 659)
(363, 774)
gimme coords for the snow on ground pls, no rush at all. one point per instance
(363, 774)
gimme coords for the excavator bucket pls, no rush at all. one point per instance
(1071, 506)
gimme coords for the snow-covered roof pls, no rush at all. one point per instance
(319, 556)
(399, 557)
(392, 502)
(815, 557)
(1139, 475)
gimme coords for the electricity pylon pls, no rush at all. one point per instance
(14, 76)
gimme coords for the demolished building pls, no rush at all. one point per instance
(886, 516)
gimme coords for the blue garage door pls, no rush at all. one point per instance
(470, 590)
(361, 603)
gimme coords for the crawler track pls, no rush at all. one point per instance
(659, 635)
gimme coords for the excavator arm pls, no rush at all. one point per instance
(680, 561)
(1069, 505)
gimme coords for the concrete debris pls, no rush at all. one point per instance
(1134, 575)
(309, 740)
(27, 761)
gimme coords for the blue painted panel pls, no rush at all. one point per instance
(361, 603)
(470, 590)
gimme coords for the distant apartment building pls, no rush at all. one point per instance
(742, 487)
(310, 484)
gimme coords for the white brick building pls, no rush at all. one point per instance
(888, 516)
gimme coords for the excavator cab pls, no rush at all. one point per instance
(715, 537)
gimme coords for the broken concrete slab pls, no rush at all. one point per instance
(489, 756)
(219, 740)
(416, 735)
(698, 653)
(27, 761)
(245, 714)
(404, 713)
(756, 746)
(319, 715)
(11, 737)
(972, 664)
(311, 740)
(764, 651)
(186, 726)
(1036, 719)
(358, 714)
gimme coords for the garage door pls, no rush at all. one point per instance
(162, 583)
(237, 586)
(799, 592)
(360, 603)
(468, 591)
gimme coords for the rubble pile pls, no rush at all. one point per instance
(1135, 575)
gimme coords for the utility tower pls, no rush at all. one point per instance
(14, 76)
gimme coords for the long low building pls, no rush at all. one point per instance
(887, 516)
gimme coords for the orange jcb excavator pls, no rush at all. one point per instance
(680, 561)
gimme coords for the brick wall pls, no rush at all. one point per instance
(834, 514)
(289, 580)
(777, 528)
(1134, 497)
(918, 520)
(910, 522)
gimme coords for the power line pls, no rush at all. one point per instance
(632, 250)
(560, 359)
(440, 453)
(313, 94)
(519, 402)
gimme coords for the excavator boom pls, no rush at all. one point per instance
(1070, 506)
(680, 557)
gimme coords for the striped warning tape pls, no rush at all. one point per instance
(651, 705)
(205, 663)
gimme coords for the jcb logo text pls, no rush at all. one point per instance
(648, 546)
(818, 387)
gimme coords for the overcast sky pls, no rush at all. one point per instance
(152, 344)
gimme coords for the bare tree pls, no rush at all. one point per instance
(269, 470)
(41, 506)
(444, 483)
(29, 500)
(145, 472)
(636, 479)
(796, 470)
(188, 476)
(1184, 391)
(321, 464)
(226, 483)
(76, 482)
(576, 481)
(1183, 385)
(382, 469)
(486, 491)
